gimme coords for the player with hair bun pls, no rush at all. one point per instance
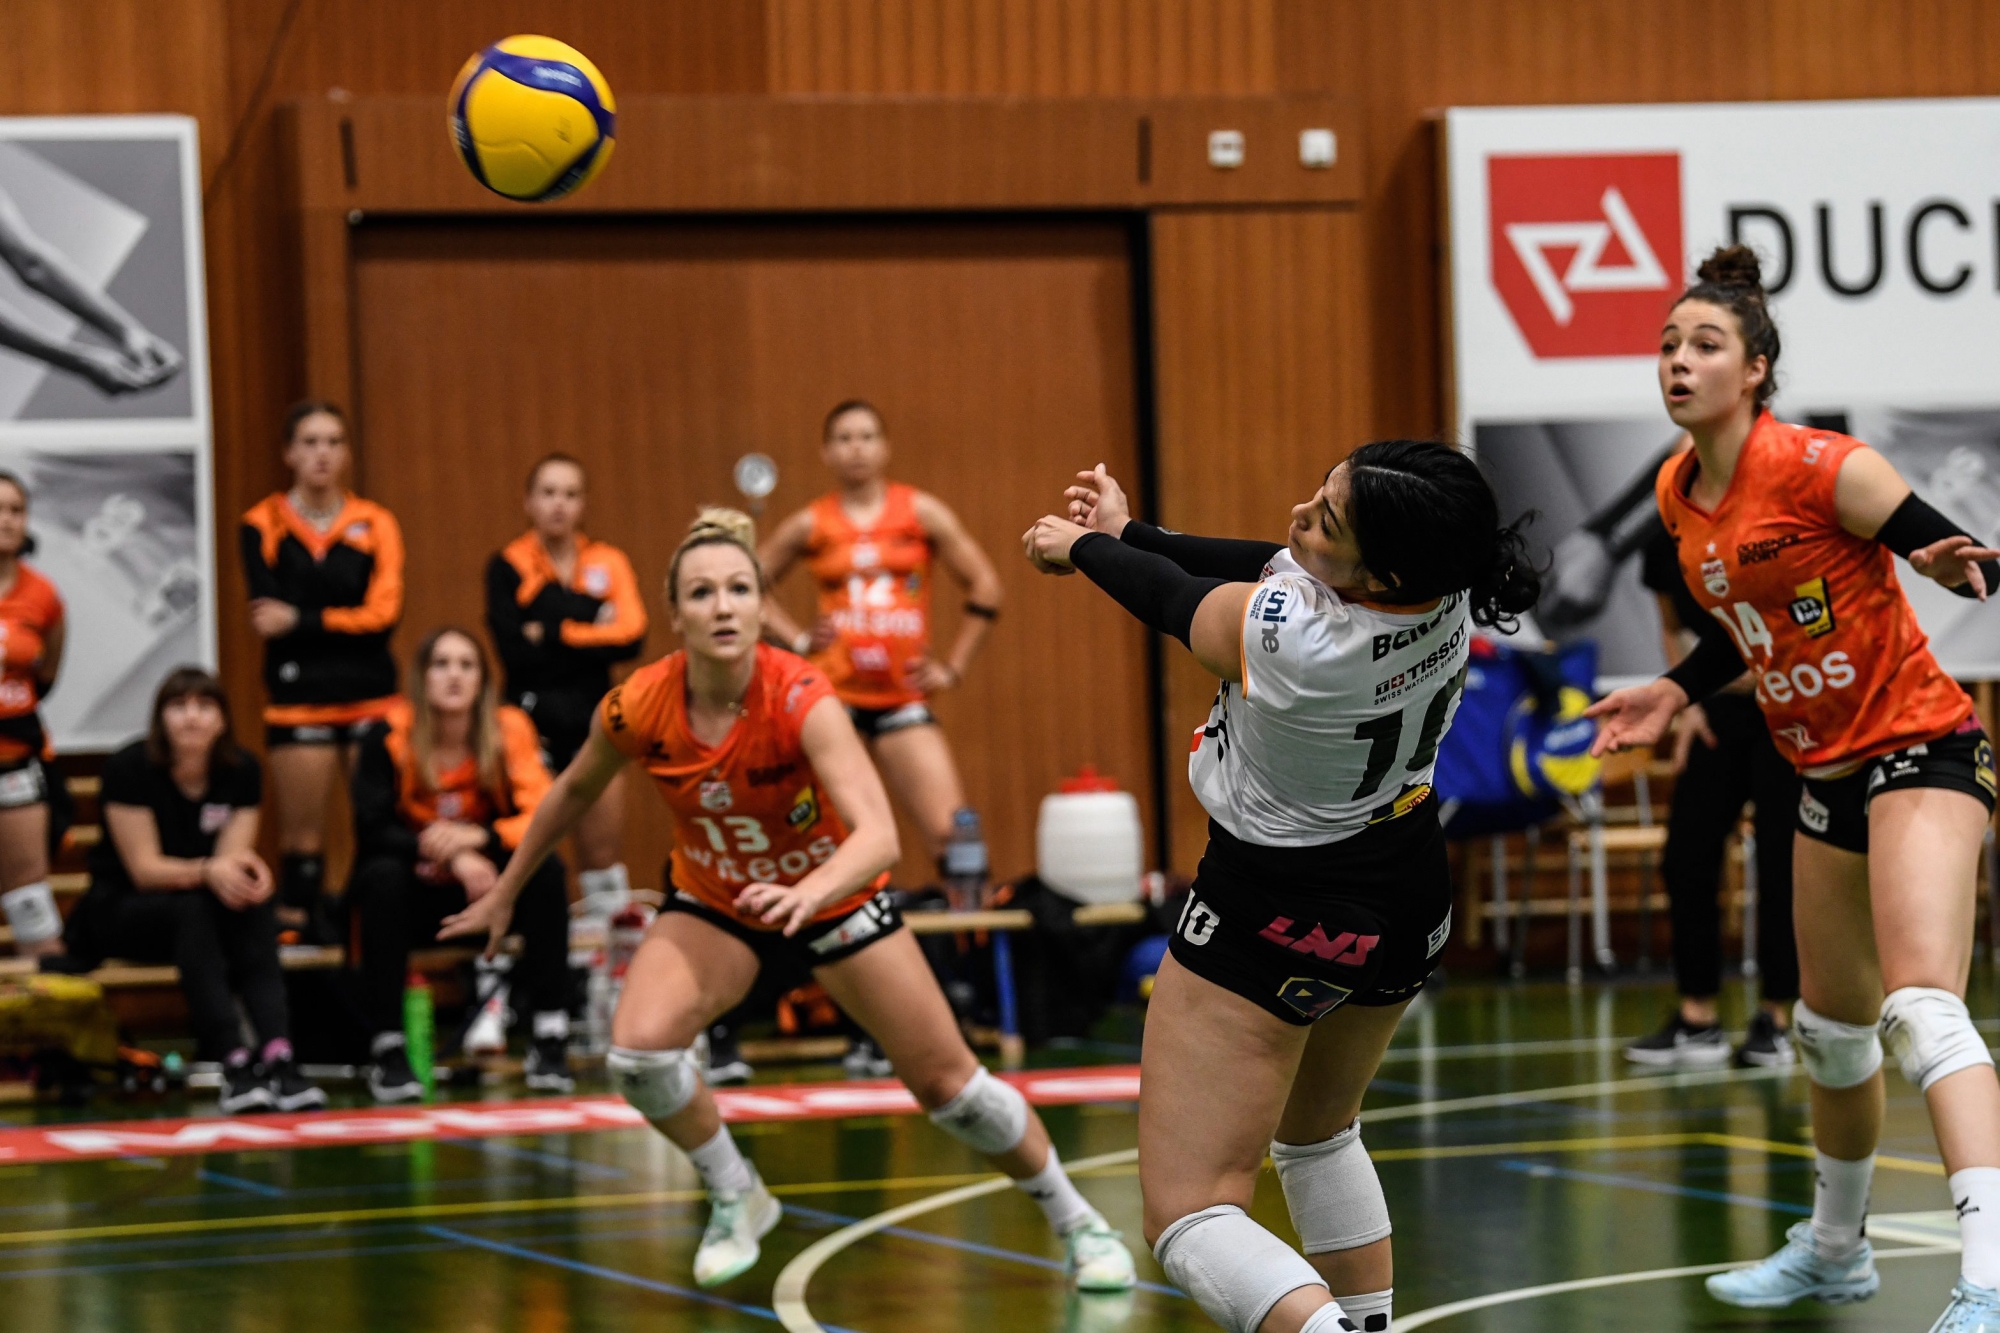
(1324, 898)
(1788, 535)
(783, 841)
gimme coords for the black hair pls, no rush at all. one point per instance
(842, 408)
(1428, 525)
(311, 407)
(1732, 278)
(191, 682)
(549, 460)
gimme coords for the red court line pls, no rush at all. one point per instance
(552, 1115)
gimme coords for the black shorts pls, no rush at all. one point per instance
(23, 782)
(873, 722)
(1301, 931)
(562, 720)
(320, 733)
(1835, 810)
(791, 960)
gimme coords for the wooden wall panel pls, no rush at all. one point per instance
(1039, 48)
(1000, 354)
(1264, 374)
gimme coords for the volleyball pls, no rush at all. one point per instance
(532, 118)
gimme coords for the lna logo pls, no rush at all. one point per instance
(1586, 250)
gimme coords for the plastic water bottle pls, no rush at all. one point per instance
(419, 1031)
(965, 863)
(626, 932)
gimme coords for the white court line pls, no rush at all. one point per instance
(788, 1294)
(1408, 1323)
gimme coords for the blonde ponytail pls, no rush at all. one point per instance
(716, 525)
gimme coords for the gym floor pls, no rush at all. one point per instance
(1537, 1181)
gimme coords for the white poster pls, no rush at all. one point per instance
(1573, 228)
(104, 405)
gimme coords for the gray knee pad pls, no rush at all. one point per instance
(657, 1083)
(1333, 1192)
(1931, 1033)
(1231, 1267)
(987, 1115)
(1835, 1054)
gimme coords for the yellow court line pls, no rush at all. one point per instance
(472, 1208)
(1913, 1165)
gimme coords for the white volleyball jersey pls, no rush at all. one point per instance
(1337, 723)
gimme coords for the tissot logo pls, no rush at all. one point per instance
(1586, 250)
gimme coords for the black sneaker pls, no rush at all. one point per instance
(864, 1059)
(391, 1079)
(243, 1089)
(548, 1065)
(1765, 1045)
(726, 1064)
(1681, 1044)
(291, 1090)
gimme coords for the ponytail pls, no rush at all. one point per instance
(1732, 278)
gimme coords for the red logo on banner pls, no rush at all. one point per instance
(1586, 250)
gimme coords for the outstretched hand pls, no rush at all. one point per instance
(1098, 502)
(1047, 544)
(1635, 716)
(1954, 561)
(488, 914)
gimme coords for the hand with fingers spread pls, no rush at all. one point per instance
(1047, 544)
(489, 914)
(787, 906)
(1635, 716)
(1953, 562)
(1098, 502)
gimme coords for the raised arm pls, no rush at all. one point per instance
(1873, 501)
(784, 548)
(43, 268)
(1098, 502)
(837, 755)
(959, 553)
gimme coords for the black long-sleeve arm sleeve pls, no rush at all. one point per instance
(1915, 525)
(1712, 665)
(379, 829)
(1231, 559)
(522, 660)
(1152, 587)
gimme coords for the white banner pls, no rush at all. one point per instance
(104, 403)
(1572, 229)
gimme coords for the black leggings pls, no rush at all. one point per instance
(1708, 800)
(220, 954)
(399, 912)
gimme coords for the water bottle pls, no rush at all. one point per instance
(964, 859)
(627, 931)
(419, 1030)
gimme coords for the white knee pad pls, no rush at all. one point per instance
(1231, 1267)
(31, 913)
(1931, 1034)
(987, 1114)
(1332, 1189)
(1835, 1054)
(657, 1083)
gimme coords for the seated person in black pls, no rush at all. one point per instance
(177, 879)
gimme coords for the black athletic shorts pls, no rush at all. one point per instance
(792, 960)
(873, 722)
(320, 733)
(1835, 810)
(23, 782)
(1304, 930)
(562, 720)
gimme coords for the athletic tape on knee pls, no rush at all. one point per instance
(1333, 1192)
(657, 1083)
(31, 913)
(1232, 1268)
(1931, 1034)
(1835, 1054)
(987, 1115)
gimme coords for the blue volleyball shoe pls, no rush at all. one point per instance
(1797, 1272)
(1973, 1309)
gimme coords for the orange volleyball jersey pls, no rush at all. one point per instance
(459, 794)
(875, 588)
(749, 810)
(29, 613)
(1843, 672)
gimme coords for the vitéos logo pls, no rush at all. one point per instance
(1586, 250)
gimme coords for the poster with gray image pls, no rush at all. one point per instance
(104, 407)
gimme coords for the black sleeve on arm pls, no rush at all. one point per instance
(1152, 587)
(1712, 665)
(505, 622)
(1230, 559)
(379, 829)
(1916, 525)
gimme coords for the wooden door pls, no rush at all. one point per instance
(1000, 353)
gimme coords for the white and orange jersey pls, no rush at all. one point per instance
(875, 589)
(1843, 672)
(29, 614)
(750, 809)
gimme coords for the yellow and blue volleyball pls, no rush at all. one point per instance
(532, 118)
(1549, 755)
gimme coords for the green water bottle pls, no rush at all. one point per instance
(419, 1027)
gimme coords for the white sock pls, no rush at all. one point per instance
(1840, 1204)
(1053, 1191)
(1975, 1192)
(723, 1169)
(1369, 1313)
(552, 1023)
(1329, 1319)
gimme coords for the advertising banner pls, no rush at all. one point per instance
(104, 402)
(1573, 228)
